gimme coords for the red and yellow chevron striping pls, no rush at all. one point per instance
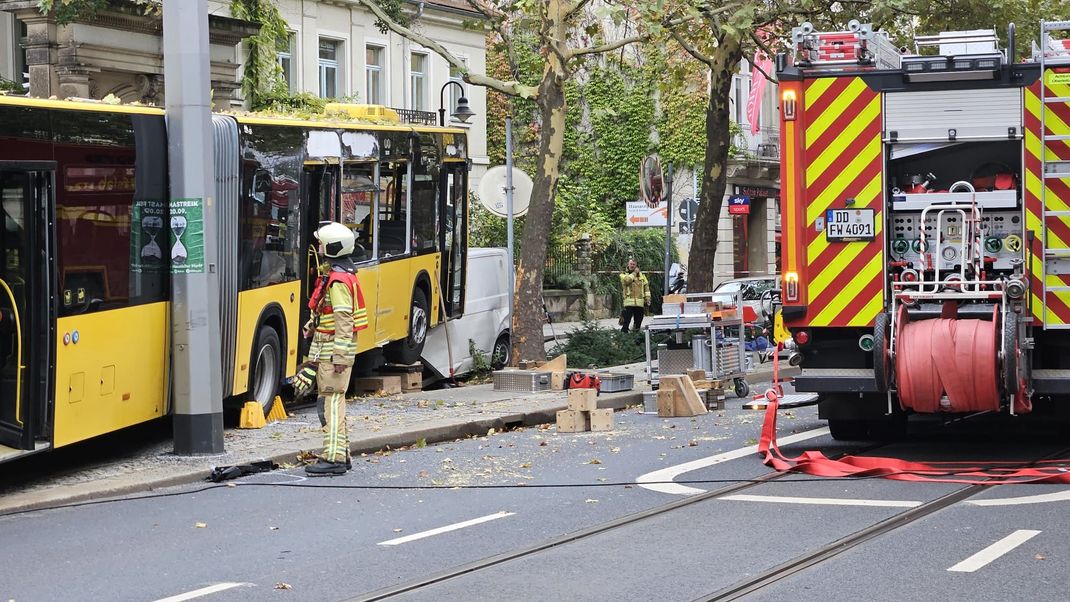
(1050, 292)
(843, 159)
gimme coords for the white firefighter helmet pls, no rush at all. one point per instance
(337, 239)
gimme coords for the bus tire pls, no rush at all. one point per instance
(265, 375)
(408, 350)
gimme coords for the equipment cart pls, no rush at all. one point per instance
(701, 338)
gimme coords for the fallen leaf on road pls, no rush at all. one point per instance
(692, 443)
(526, 465)
(590, 501)
(281, 585)
(490, 432)
(1040, 557)
(232, 484)
(602, 479)
(615, 450)
(201, 525)
(424, 474)
(595, 461)
(273, 528)
(397, 530)
(542, 444)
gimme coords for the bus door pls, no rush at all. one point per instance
(26, 199)
(320, 195)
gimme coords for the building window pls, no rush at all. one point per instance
(286, 50)
(418, 81)
(373, 72)
(329, 53)
(455, 92)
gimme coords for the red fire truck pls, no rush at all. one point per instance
(926, 223)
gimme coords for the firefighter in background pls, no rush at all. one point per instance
(338, 314)
(636, 296)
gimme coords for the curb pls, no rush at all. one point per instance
(126, 485)
(131, 484)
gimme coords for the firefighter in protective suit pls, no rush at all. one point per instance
(338, 314)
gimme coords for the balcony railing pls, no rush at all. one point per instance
(417, 117)
(765, 146)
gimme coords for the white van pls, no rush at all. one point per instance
(485, 320)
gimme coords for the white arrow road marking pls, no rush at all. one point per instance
(994, 551)
(1041, 498)
(204, 591)
(654, 479)
(446, 529)
(822, 501)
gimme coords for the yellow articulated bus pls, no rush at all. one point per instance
(88, 244)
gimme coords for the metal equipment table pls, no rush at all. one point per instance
(716, 348)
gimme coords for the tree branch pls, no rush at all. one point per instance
(512, 88)
(702, 58)
(575, 8)
(610, 47)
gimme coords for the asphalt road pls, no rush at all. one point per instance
(282, 536)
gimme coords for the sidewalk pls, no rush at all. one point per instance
(374, 424)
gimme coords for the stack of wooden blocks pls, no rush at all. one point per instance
(583, 413)
(557, 368)
(712, 391)
(393, 380)
(677, 396)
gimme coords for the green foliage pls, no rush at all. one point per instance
(262, 79)
(68, 11)
(11, 87)
(481, 364)
(280, 100)
(647, 247)
(592, 346)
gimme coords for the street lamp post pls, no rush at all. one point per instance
(461, 112)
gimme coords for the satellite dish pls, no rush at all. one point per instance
(492, 191)
(651, 181)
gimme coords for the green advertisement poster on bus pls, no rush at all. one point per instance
(187, 236)
(146, 236)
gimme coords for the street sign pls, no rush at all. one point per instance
(739, 205)
(688, 210)
(638, 215)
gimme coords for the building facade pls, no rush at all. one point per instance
(334, 51)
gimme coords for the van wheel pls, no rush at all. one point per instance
(408, 350)
(503, 348)
(266, 374)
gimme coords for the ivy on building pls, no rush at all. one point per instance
(262, 79)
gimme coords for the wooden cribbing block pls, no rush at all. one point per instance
(583, 400)
(557, 381)
(696, 375)
(665, 401)
(601, 420)
(380, 385)
(558, 364)
(686, 402)
(572, 421)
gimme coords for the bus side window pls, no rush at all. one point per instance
(391, 210)
(359, 197)
(426, 171)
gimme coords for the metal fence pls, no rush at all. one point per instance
(417, 117)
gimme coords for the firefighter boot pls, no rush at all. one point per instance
(323, 468)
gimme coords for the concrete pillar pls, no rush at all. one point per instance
(195, 343)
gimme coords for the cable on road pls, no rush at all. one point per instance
(1008, 466)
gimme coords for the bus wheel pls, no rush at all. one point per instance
(266, 375)
(408, 351)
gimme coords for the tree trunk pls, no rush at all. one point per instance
(701, 258)
(528, 317)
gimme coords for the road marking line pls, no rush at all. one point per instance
(204, 591)
(1041, 498)
(446, 529)
(994, 551)
(822, 501)
(670, 473)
